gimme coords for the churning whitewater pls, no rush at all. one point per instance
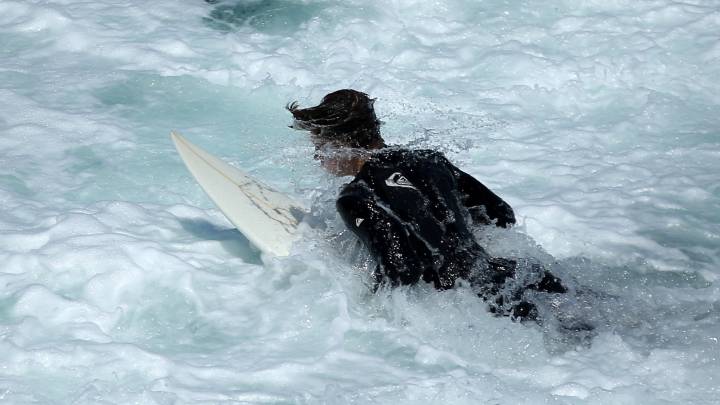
(120, 282)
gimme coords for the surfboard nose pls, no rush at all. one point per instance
(266, 217)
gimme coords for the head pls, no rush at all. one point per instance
(343, 128)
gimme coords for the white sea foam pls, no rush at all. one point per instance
(120, 283)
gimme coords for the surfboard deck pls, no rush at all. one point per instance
(269, 219)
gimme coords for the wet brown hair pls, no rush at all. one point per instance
(344, 117)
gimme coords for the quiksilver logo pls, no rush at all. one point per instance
(398, 180)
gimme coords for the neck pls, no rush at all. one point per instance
(346, 161)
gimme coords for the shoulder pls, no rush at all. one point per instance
(396, 155)
(416, 166)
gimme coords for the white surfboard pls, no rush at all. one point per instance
(268, 218)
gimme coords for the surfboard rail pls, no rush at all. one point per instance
(268, 218)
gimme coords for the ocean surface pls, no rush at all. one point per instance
(121, 283)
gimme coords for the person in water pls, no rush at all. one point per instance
(414, 210)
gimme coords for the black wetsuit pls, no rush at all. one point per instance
(413, 210)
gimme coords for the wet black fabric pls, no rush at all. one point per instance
(413, 209)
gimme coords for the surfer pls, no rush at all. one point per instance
(414, 210)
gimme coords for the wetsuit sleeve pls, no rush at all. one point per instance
(400, 254)
(484, 205)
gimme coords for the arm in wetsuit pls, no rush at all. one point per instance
(484, 205)
(400, 253)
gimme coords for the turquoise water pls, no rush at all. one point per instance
(599, 122)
